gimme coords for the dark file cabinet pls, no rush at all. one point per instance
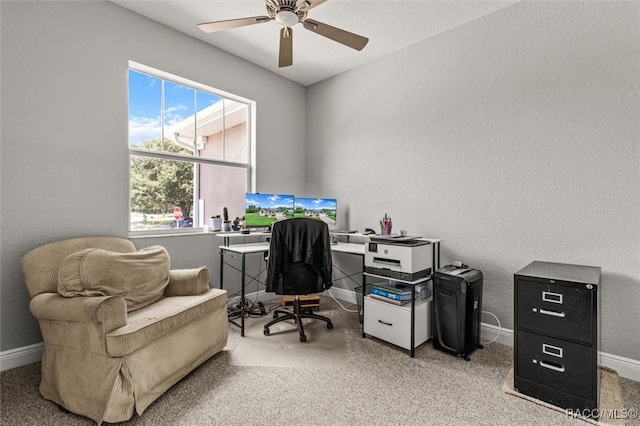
(557, 334)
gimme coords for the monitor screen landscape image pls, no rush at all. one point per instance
(317, 208)
(264, 209)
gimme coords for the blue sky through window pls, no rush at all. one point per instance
(145, 104)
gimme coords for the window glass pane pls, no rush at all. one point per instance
(179, 103)
(158, 186)
(236, 131)
(222, 186)
(145, 106)
(209, 125)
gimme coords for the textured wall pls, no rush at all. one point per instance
(514, 138)
(64, 130)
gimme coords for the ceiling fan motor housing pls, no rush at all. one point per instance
(285, 13)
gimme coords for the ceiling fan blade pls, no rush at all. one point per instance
(286, 47)
(211, 27)
(300, 5)
(352, 40)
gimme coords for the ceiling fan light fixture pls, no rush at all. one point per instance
(287, 18)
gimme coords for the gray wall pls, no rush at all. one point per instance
(64, 131)
(514, 138)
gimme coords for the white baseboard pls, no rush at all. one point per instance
(493, 333)
(21, 356)
(626, 367)
(342, 294)
(255, 297)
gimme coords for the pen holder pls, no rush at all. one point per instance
(385, 229)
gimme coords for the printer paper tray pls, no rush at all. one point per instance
(405, 276)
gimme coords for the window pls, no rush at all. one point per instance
(190, 151)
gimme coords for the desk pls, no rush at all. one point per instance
(349, 248)
(228, 236)
(349, 235)
(263, 247)
(242, 250)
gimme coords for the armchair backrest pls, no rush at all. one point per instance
(40, 265)
(299, 257)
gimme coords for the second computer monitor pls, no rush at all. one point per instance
(324, 209)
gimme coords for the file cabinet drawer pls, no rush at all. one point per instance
(559, 309)
(392, 323)
(556, 363)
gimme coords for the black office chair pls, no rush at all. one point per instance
(299, 263)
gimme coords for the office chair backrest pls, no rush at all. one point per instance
(300, 279)
(299, 257)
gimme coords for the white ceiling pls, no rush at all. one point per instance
(390, 25)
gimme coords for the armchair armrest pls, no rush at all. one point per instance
(187, 282)
(109, 310)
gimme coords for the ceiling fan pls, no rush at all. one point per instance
(288, 13)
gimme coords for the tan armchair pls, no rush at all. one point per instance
(102, 358)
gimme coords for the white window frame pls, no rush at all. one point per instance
(250, 165)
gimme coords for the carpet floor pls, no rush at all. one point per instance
(376, 384)
(282, 348)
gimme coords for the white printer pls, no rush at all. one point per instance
(405, 258)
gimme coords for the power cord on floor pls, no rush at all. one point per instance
(338, 302)
(499, 328)
(257, 311)
(251, 310)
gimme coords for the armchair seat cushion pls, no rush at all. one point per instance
(140, 277)
(162, 318)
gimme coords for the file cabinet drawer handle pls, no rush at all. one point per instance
(552, 350)
(552, 313)
(548, 296)
(558, 368)
(385, 323)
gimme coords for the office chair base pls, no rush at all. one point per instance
(297, 316)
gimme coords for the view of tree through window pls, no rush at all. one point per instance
(189, 153)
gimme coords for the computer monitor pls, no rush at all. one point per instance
(261, 210)
(317, 208)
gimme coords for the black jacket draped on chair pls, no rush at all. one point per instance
(299, 255)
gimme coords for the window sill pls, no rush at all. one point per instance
(153, 234)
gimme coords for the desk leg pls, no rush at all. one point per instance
(242, 304)
(413, 321)
(364, 289)
(221, 267)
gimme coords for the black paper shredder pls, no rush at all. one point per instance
(457, 307)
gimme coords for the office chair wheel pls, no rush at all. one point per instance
(266, 331)
(303, 338)
(330, 325)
